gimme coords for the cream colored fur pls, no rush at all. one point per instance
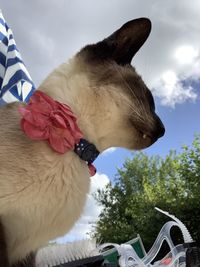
(42, 193)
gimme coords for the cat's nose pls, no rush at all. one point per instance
(156, 131)
(159, 129)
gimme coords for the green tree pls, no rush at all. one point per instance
(172, 183)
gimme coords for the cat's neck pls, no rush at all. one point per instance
(67, 85)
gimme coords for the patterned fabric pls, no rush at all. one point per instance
(15, 81)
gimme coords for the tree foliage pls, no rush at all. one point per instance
(171, 183)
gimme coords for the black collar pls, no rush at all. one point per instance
(86, 151)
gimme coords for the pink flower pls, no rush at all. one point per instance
(46, 119)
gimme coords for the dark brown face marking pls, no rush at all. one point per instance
(145, 119)
(108, 63)
(142, 113)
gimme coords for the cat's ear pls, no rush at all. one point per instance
(124, 43)
(128, 39)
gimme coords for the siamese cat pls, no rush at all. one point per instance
(42, 193)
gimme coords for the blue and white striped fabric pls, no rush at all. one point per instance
(15, 81)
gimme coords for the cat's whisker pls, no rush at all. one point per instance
(134, 111)
(140, 103)
(125, 82)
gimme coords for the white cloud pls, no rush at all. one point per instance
(91, 211)
(186, 54)
(170, 87)
(171, 91)
(174, 43)
(109, 151)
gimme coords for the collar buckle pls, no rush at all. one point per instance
(86, 151)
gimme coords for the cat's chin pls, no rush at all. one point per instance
(141, 142)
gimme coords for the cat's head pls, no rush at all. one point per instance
(116, 108)
(132, 109)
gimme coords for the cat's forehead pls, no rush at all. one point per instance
(119, 77)
(125, 79)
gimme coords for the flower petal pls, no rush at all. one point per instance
(44, 118)
(58, 121)
(56, 142)
(33, 132)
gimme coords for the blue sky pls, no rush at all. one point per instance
(169, 63)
